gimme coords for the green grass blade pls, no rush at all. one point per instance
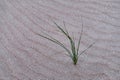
(73, 53)
(80, 39)
(65, 33)
(87, 48)
(70, 39)
(57, 42)
(65, 28)
(72, 43)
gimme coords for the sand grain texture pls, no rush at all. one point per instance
(26, 56)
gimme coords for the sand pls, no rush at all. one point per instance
(26, 56)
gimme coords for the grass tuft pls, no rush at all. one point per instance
(74, 51)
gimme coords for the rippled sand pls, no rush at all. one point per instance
(26, 56)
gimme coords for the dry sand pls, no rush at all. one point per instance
(26, 56)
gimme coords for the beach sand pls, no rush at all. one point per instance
(27, 56)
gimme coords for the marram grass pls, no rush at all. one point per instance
(74, 52)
